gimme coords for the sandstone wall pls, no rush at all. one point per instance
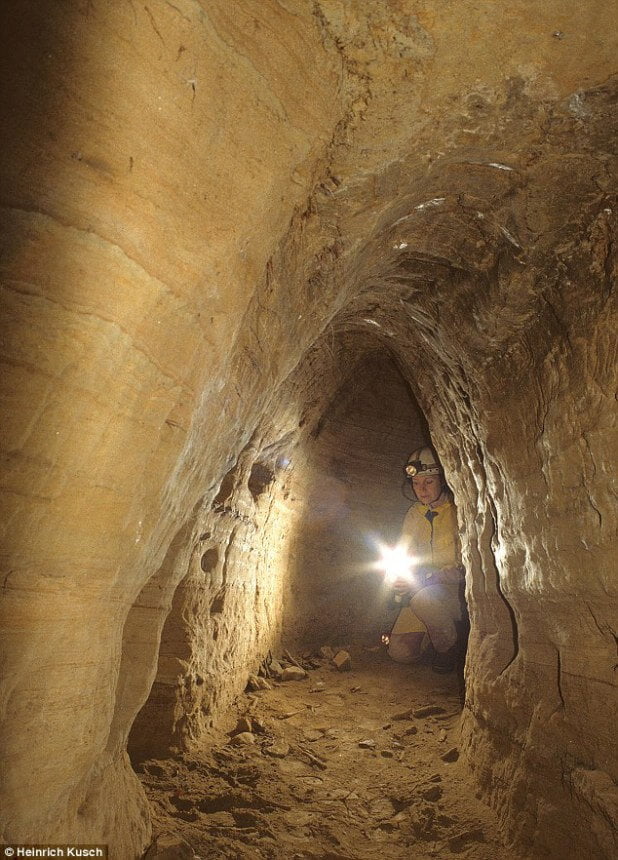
(152, 158)
(198, 201)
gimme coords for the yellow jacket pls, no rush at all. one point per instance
(433, 543)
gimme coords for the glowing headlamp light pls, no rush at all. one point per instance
(415, 467)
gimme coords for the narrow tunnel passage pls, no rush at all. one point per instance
(334, 750)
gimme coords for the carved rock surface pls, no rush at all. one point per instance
(251, 255)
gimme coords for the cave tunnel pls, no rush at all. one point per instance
(253, 255)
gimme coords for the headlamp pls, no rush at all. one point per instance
(415, 467)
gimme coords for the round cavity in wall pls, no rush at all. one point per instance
(225, 490)
(209, 559)
(260, 477)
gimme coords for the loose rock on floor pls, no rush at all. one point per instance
(355, 766)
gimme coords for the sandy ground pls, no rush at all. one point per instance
(336, 767)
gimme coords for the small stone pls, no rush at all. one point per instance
(255, 683)
(367, 745)
(278, 750)
(411, 731)
(355, 689)
(318, 687)
(155, 769)
(183, 802)
(243, 725)
(275, 668)
(243, 739)
(258, 726)
(427, 711)
(462, 840)
(168, 847)
(327, 652)
(314, 735)
(342, 661)
(293, 673)
(402, 715)
(298, 819)
(432, 794)
(386, 754)
(221, 819)
(450, 755)
(442, 736)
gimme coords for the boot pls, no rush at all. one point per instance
(445, 661)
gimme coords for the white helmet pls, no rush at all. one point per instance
(423, 461)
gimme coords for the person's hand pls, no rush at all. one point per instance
(401, 585)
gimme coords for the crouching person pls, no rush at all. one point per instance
(432, 603)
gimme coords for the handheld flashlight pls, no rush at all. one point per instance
(396, 564)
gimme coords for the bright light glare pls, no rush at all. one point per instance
(396, 563)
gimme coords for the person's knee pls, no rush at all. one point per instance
(425, 597)
(406, 647)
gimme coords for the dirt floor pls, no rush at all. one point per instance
(342, 765)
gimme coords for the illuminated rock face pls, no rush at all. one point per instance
(211, 223)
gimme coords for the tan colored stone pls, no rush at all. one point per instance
(251, 254)
(342, 661)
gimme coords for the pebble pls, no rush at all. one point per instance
(243, 739)
(427, 711)
(255, 683)
(275, 668)
(292, 673)
(462, 840)
(313, 735)
(411, 731)
(258, 726)
(243, 725)
(318, 687)
(169, 847)
(367, 745)
(327, 652)
(432, 794)
(342, 661)
(155, 769)
(450, 755)
(279, 749)
(402, 715)
(297, 818)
